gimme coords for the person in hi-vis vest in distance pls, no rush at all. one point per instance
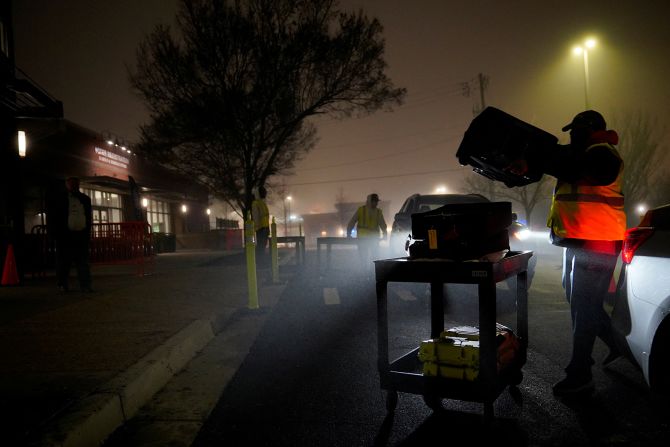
(368, 220)
(587, 219)
(261, 217)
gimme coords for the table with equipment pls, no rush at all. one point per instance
(405, 373)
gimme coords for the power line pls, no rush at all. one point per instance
(392, 137)
(381, 157)
(424, 97)
(441, 171)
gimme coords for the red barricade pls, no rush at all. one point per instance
(122, 243)
(233, 238)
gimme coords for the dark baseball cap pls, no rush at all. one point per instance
(374, 197)
(589, 119)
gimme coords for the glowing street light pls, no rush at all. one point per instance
(287, 200)
(584, 50)
(641, 209)
(441, 189)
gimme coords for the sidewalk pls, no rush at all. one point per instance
(75, 366)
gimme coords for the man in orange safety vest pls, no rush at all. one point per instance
(587, 219)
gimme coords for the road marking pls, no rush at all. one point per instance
(330, 296)
(405, 295)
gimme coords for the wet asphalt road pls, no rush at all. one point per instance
(311, 378)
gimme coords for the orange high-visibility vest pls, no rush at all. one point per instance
(589, 212)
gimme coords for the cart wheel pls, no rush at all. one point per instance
(516, 377)
(433, 402)
(391, 400)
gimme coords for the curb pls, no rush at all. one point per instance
(95, 417)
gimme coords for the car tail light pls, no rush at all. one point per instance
(634, 238)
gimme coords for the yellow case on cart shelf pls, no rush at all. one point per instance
(450, 372)
(456, 353)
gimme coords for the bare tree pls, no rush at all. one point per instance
(528, 197)
(646, 176)
(474, 183)
(231, 89)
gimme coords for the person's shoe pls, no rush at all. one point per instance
(613, 355)
(572, 385)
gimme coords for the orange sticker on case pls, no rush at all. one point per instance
(432, 239)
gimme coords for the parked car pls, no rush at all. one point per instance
(419, 203)
(641, 314)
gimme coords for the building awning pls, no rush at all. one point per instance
(123, 187)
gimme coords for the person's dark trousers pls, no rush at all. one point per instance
(587, 277)
(73, 248)
(262, 237)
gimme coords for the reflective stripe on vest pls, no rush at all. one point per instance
(368, 222)
(589, 212)
(577, 197)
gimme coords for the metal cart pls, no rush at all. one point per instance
(405, 373)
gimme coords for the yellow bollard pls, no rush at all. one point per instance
(273, 252)
(250, 250)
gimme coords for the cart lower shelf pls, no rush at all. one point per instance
(405, 375)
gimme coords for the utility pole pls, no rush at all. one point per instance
(481, 83)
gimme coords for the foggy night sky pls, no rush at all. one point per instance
(78, 49)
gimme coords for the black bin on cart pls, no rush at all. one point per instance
(461, 231)
(494, 139)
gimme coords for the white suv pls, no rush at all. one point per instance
(641, 314)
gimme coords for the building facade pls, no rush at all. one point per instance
(122, 185)
(39, 149)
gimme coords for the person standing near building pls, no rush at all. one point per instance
(587, 218)
(261, 217)
(69, 221)
(368, 220)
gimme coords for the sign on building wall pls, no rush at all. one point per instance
(110, 158)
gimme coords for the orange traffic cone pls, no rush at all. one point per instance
(10, 276)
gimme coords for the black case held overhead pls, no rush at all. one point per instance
(494, 139)
(461, 231)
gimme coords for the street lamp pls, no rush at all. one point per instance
(584, 50)
(287, 199)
